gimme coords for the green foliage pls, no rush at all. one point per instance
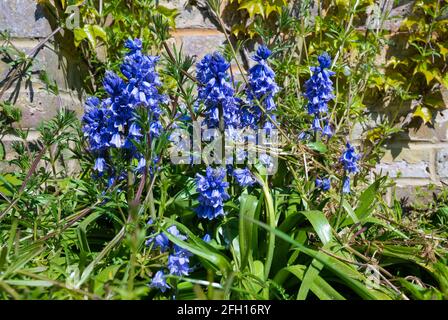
(106, 25)
(418, 71)
(66, 235)
(251, 11)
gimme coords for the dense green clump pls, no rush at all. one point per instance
(317, 227)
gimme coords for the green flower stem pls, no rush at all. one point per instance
(270, 216)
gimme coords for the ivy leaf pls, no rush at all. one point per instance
(375, 134)
(99, 32)
(238, 28)
(253, 7)
(91, 33)
(429, 74)
(394, 80)
(80, 35)
(168, 13)
(409, 22)
(394, 62)
(443, 50)
(434, 100)
(424, 113)
(274, 6)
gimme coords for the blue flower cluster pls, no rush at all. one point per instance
(178, 260)
(111, 122)
(319, 91)
(262, 89)
(159, 281)
(243, 177)
(217, 92)
(323, 184)
(98, 135)
(212, 193)
(349, 161)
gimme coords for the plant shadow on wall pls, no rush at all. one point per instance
(133, 225)
(95, 31)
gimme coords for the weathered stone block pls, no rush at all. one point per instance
(411, 154)
(435, 132)
(421, 195)
(397, 13)
(442, 163)
(23, 19)
(38, 106)
(190, 17)
(404, 169)
(199, 44)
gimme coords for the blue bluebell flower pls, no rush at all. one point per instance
(95, 127)
(324, 60)
(262, 88)
(175, 232)
(315, 126)
(327, 130)
(243, 177)
(111, 123)
(216, 91)
(266, 160)
(346, 185)
(159, 281)
(212, 193)
(207, 238)
(179, 264)
(304, 135)
(319, 91)
(324, 184)
(319, 88)
(100, 164)
(160, 241)
(349, 159)
(141, 165)
(133, 45)
(179, 258)
(113, 84)
(117, 141)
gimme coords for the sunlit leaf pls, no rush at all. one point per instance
(423, 113)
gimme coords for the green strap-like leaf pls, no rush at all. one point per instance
(320, 225)
(347, 273)
(248, 206)
(321, 288)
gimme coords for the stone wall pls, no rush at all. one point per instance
(417, 158)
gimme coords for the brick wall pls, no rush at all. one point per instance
(416, 158)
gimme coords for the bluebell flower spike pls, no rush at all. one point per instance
(243, 177)
(212, 193)
(319, 91)
(262, 89)
(111, 122)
